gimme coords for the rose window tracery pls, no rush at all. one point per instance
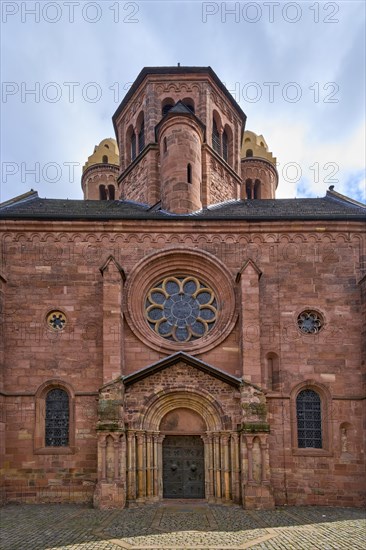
(56, 320)
(181, 309)
(310, 322)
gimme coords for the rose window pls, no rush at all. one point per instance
(309, 322)
(56, 320)
(181, 309)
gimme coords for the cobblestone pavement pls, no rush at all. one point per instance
(176, 526)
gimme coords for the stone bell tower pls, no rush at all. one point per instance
(179, 133)
(258, 168)
(99, 179)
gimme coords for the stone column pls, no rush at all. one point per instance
(249, 444)
(123, 461)
(217, 465)
(160, 465)
(131, 466)
(235, 471)
(207, 439)
(117, 451)
(264, 460)
(225, 466)
(155, 468)
(103, 447)
(141, 466)
(149, 467)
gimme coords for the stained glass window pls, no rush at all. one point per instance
(57, 418)
(56, 320)
(181, 308)
(309, 421)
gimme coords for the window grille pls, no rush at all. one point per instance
(309, 422)
(57, 418)
(141, 137)
(216, 143)
(133, 147)
(225, 149)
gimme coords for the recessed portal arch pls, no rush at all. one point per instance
(199, 402)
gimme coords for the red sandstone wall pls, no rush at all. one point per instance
(300, 268)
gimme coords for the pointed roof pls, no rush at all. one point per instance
(173, 360)
(111, 259)
(179, 108)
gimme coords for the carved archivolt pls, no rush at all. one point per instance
(168, 400)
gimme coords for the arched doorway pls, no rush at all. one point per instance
(183, 454)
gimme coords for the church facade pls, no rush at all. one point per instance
(181, 333)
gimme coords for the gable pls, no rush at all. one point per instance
(177, 358)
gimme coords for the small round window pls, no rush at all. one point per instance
(181, 309)
(56, 320)
(310, 322)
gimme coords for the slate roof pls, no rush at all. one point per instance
(331, 207)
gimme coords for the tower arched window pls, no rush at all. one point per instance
(249, 188)
(102, 193)
(309, 419)
(188, 102)
(111, 192)
(216, 142)
(189, 173)
(57, 418)
(166, 105)
(133, 146)
(225, 146)
(105, 159)
(257, 189)
(249, 153)
(141, 137)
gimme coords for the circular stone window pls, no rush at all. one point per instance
(180, 300)
(310, 322)
(56, 320)
(181, 309)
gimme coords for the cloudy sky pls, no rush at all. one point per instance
(297, 69)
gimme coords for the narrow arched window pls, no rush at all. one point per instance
(166, 108)
(309, 419)
(257, 189)
(188, 102)
(133, 146)
(248, 188)
(216, 142)
(189, 173)
(141, 137)
(102, 193)
(165, 145)
(57, 418)
(225, 148)
(105, 159)
(249, 153)
(111, 192)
